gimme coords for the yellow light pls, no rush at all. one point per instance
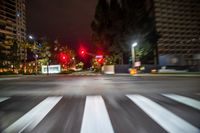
(153, 71)
(133, 71)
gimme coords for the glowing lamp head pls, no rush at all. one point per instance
(134, 44)
(30, 37)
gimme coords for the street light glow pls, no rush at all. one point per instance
(133, 53)
(30, 37)
(134, 44)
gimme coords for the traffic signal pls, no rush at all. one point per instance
(63, 57)
(82, 52)
(99, 59)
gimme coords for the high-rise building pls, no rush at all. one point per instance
(12, 24)
(178, 25)
(13, 19)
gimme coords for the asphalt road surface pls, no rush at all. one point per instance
(100, 104)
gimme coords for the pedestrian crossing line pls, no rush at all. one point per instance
(185, 100)
(166, 119)
(4, 99)
(96, 118)
(32, 118)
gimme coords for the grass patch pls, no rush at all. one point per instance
(67, 72)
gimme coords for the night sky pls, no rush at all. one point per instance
(66, 20)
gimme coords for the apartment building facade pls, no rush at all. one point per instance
(178, 26)
(12, 25)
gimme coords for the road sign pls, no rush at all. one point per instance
(98, 56)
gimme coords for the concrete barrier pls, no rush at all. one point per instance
(108, 69)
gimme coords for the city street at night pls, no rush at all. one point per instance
(99, 104)
(100, 66)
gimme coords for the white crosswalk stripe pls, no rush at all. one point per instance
(166, 119)
(185, 100)
(3, 98)
(31, 119)
(96, 118)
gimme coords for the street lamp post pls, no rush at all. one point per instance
(133, 53)
(36, 64)
(34, 51)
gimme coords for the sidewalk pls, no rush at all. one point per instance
(11, 77)
(87, 73)
(171, 74)
(161, 74)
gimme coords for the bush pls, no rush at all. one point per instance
(67, 72)
(7, 73)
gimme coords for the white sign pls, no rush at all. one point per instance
(137, 64)
(51, 69)
(99, 56)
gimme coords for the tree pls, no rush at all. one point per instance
(14, 54)
(2, 55)
(100, 25)
(9, 53)
(106, 27)
(25, 45)
(70, 55)
(139, 26)
(44, 51)
(122, 23)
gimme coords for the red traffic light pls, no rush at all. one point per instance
(63, 57)
(82, 52)
(100, 61)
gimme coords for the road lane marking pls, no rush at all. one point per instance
(32, 118)
(185, 100)
(95, 117)
(3, 98)
(166, 119)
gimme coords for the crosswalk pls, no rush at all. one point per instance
(174, 113)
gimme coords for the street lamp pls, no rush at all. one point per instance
(34, 51)
(36, 64)
(133, 53)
